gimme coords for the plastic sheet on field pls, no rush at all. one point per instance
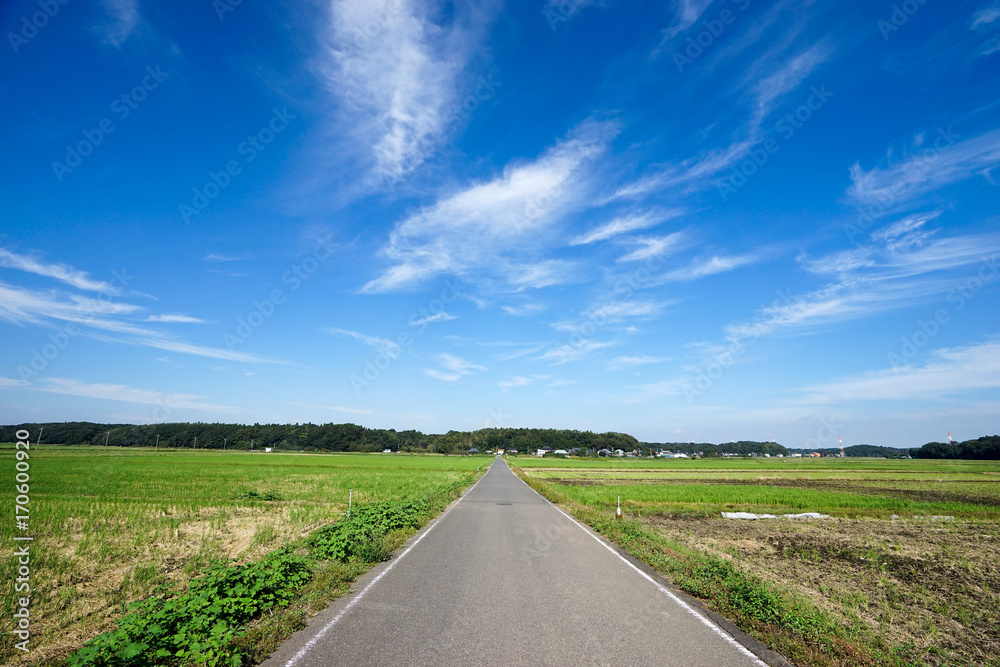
(753, 515)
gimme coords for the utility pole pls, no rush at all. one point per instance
(108, 436)
(42, 428)
(157, 448)
(224, 441)
(195, 443)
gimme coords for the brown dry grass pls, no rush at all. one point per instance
(931, 586)
(88, 587)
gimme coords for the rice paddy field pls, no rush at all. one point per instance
(904, 570)
(112, 526)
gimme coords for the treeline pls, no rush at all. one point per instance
(862, 451)
(313, 437)
(741, 448)
(985, 448)
(354, 438)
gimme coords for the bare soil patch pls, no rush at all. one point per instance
(931, 588)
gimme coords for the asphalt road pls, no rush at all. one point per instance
(505, 578)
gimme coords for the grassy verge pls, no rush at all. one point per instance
(855, 600)
(236, 614)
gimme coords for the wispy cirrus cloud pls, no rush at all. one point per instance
(770, 80)
(883, 276)
(953, 371)
(687, 12)
(437, 317)
(709, 266)
(572, 352)
(495, 229)
(383, 345)
(61, 272)
(522, 381)
(105, 319)
(985, 16)
(123, 21)
(453, 368)
(625, 224)
(127, 394)
(654, 246)
(176, 319)
(920, 174)
(616, 311)
(394, 69)
(618, 363)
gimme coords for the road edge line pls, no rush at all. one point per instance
(707, 622)
(311, 644)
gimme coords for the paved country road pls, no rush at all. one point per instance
(505, 578)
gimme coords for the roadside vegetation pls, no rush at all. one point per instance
(905, 571)
(216, 555)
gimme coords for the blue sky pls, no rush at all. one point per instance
(686, 221)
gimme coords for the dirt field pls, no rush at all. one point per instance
(930, 585)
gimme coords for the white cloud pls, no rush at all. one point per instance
(619, 363)
(654, 246)
(952, 371)
(948, 162)
(905, 229)
(688, 11)
(524, 309)
(61, 272)
(217, 257)
(101, 320)
(495, 228)
(454, 368)
(709, 267)
(521, 381)
(626, 224)
(127, 394)
(394, 70)
(771, 79)
(541, 274)
(124, 19)
(619, 310)
(182, 319)
(437, 317)
(778, 83)
(878, 280)
(383, 345)
(842, 261)
(985, 16)
(572, 352)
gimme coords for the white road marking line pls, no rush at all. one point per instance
(670, 594)
(336, 619)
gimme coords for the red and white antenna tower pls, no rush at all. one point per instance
(950, 440)
(841, 445)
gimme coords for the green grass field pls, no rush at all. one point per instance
(906, 571)
(112, 526)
